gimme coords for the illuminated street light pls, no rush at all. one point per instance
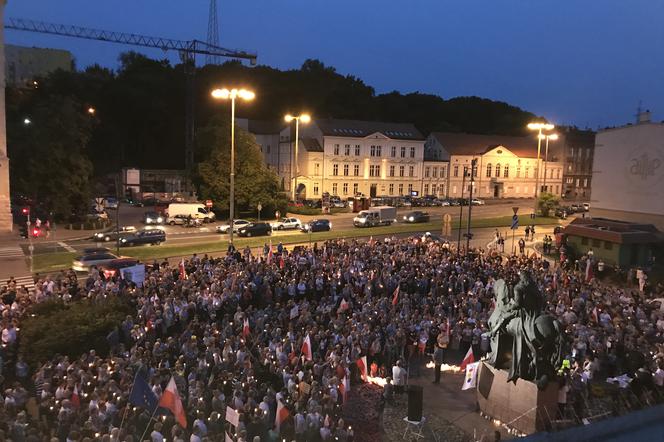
(304, 118)
(27, 121)
(539, 127)
(232, 94)
(552, 137)
(92, 110)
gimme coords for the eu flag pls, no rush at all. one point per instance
(142, 395)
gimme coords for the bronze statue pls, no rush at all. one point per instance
(523, 338)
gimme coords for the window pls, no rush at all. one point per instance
(391, 189)
(394, 151)
(426, 172)
(374, 170)
(527, 172)
(488, 170)
(506, 173)
(608, 245)
(373, 151)
(518, 171)
(569, 180)
(442, 172)
(335, 169)
(456, 171)
(498, 170)
(334, 188)
(336, 149)
(475, 170)
(400, 189)
(410, 189)
(316, 168)
(355, 188)
(578, 182)
(585, 182)
(435, 172)
(558, 173)
(357, 150)
(434, 189)
(401, 170)
(347, 149)
(391, 170)
(403, 152)
(412, 152)
(356, 170)
(535, 172)
(379, 151)
(378, 170)
(346, 166)
(411, 170)
(426, 189)
(315, 188)
(345, 188)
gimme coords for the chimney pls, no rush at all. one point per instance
(643, 117)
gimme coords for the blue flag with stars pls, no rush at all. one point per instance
(142, 395)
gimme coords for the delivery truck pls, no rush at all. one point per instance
(376, 216)
(193, 210)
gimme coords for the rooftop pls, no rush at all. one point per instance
(473, 144)
(615, 231)
(362, 129)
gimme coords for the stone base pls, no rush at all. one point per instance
(521, 406)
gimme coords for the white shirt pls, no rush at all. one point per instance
(398, 375)
(658, 377)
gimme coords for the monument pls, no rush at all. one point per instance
(5, 206)
(517, 381)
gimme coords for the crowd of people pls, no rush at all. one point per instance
(231, 332)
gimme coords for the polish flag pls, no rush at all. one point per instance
(306, 349)
(395, 297)
(589, 270)
(282, 414)
(343, 306)
(344, 388)
(246, 331)
(270, 255)
(183, 272)
(75, 398)
(595, 315)
(468, 359)
(362, 365)
(170, 400)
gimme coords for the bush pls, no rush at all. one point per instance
(54, 327)
(303, 210)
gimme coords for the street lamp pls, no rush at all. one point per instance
(27, 121)
(552, 137)
(92, 110)
(305, 118)
(538, 127)
(232, 94)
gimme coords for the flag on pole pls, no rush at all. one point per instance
(183, 271)
(468, 359)
(344, 388)
(470, 380)
(170, 400)
(75, 398)
(589, 270)
(246, 331)
(270, 254)
(142, 395)
(306, 349)
(282, 414)
(362, 365)
(343, 306)
(395, 296)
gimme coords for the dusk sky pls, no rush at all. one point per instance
(582, 62)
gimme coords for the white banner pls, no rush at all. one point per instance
(232, 416)
(135, 274)
(470, 380)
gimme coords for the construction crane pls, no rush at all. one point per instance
(213, 32)
(187, 49)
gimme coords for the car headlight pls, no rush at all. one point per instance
(123, 240)
(411, 218)
(148, 220)
(330, 225)
(160, 219)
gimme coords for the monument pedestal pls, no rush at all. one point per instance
(521, 406)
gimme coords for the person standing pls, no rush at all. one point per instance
(438, 356)
(399, 377)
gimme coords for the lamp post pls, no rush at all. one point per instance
(552, 137)
(473, 168)
(463, 184)
(305, 118)
(232, 94)
(539, 127)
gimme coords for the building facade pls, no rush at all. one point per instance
(506, 167)
(578, 152)
(24, 64)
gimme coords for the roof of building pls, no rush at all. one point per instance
(361, 129)
(311, 144)
(615, 231)
(266, 127)
(473, 144)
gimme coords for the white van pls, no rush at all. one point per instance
(195, 210)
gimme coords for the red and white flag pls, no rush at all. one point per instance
(246, 331)
(589, 270)
(170, 399)
(183, 271)
(395, 296)
(75, 398)
(468, 359)
(269, 254)
(282, 414)
(281, 262)
(306, 349)
(595, 315)
(343, 306)
(362, 366)
(344, 388)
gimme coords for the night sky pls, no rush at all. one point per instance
(582, 62)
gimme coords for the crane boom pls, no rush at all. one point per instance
(189, 46)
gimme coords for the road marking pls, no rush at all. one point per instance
(26, 281)
(66, 246)
(11, 252)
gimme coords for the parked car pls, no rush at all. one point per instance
(153, 218)
(112, 235)
(317, 225)
(286, 224)
(416, 216)
(237, 225)
(111, 202)
(153, 236)
(112, 268)
(255, 229)
(177, 220)
(560, 212)
(337, 202)
(85, 262)
(576, 208)
(477, 202)
(443, 203)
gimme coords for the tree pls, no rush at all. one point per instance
(49, 158)
(547, 202)
(254, 181)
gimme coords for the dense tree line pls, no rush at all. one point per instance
(139, 118)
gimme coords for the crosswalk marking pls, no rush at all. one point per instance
(26, 281)
(66, 246)
(11, 252)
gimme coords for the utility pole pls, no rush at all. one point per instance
(463, 184)
(117, 214)
(473, 165)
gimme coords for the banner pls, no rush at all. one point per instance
(135, 274)
(232, 417)
(470, 380)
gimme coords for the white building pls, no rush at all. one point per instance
(628, 172)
